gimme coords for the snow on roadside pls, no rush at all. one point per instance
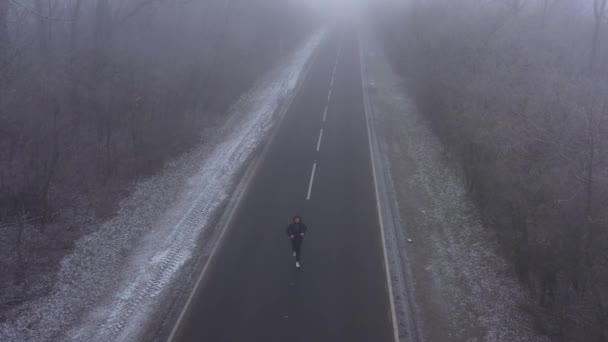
(465, 291)
(118, 272)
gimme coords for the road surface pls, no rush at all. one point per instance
(318, 166)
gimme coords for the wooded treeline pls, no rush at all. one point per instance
(518, 92)
(94, 94)
(96, 91)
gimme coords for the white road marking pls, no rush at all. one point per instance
(238, 195)
(368, 119)
(233, 206)
(319, 141)
(312, 178)
(336, 63)
(333, 74)
(325, 114)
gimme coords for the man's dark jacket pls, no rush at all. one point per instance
(296, 230)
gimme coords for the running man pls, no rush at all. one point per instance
(296, 231)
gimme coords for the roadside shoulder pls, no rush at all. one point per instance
(461, 289)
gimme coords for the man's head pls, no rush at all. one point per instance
(297, 219)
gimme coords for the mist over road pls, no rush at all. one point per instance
(318, 166)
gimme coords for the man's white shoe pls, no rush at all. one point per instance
(294, 253)
(297, 264)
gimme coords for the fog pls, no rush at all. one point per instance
(517, 92)
(333, 10)
(97, 95)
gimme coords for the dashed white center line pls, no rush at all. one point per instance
(314, 165)
(312, 178)
(319, 141)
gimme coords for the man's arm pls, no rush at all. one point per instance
(289, 231)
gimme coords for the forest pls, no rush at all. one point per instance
(517, 90)
(95, 95)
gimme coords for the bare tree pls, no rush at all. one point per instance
(95, 94)
(74, 27)
(43, 31)
(599, 8)
(22, 220)
(517, 5)
(49, 169)
(103, 22)
(548, 6)
(4, 37)
(539, 169)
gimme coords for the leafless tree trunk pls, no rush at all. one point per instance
(73, 79)
(74, 27)
(4, 46)
(4, 37)
(210, 81)
(50, 167)
(102, 23)
(517, 5)
(108, 148)
(599, 7)
(591, 162)
(41, 25)
(21, 221)
(548, 5)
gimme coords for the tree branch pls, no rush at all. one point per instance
(31, 11)
(135, 10)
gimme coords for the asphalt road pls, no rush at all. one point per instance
(252, 291)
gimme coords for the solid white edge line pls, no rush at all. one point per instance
(312, 178)
(239, 192)
(380, 218)
(329, 95)
(319, 142)
(253, 171)
(325, 114)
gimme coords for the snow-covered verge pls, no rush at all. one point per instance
(113, 278)
(464, 290)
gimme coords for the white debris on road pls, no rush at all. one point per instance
(106, 288)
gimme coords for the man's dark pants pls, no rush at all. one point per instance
(296, 244)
